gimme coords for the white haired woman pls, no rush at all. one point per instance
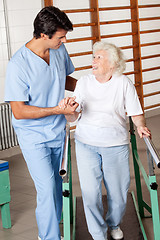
(102, 144)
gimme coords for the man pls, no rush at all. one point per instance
(35, 83)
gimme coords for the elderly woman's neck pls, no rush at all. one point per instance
(103, 78)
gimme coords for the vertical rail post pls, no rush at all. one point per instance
(70, 181)
(136, 170)
(67, 194)
(66, 212)
(153, 189)
(155, 208)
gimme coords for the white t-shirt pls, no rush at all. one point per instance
(104, 107)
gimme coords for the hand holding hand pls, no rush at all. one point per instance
(69, 105)
(67, 101)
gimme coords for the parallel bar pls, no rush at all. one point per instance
(150, 182)
(64, 164)
(153, 151)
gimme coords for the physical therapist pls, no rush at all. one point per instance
(35, 83)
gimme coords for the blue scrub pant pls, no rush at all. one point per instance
(43, 164)
(112, 165)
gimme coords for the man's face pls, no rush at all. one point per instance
(57, 39)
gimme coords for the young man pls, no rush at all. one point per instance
(35, 83)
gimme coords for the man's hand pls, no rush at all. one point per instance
(67, 101)
(69, 107)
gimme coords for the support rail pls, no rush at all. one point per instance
(150, 180)
(65, 172)
(64, 164)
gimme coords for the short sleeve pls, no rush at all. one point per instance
(16, 88)
(69, 65)
(132, 103)
(78, 94)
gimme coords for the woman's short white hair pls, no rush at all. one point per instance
(115, 55)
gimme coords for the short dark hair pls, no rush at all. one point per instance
(48, 20)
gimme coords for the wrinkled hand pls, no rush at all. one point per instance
(67, 101)
(69, 105)
(143, 132)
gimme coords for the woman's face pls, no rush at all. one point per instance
(100, 64)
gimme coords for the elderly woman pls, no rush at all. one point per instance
(102, 144)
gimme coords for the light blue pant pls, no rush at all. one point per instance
(112, 165)
(43, 164)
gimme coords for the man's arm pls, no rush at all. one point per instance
(70, 83)
(22, 111)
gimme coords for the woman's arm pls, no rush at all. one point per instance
(73, 117)
(140, 123)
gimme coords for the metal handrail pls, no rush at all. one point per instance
(150, 180)
(64, 164)
(153, 151)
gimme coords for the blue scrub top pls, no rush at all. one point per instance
(30, 79)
